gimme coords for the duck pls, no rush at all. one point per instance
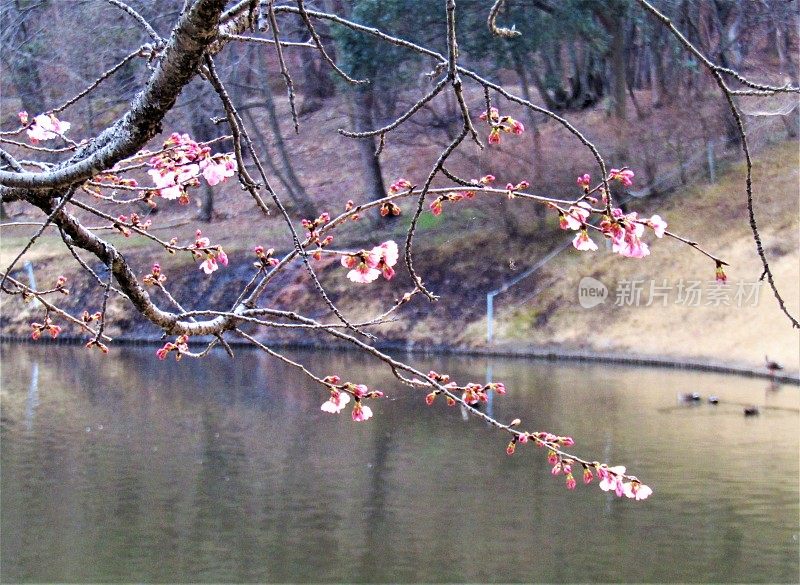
(772, 365)
(713, 399)
(751, 410)
(689, 397)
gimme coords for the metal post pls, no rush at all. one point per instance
(489, 318)
(712, 171)
(31, 277)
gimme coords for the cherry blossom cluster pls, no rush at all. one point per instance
(113, 180)
(340, 397)
(312, 227)
(399, 186)
(500, 124)
(156, 277)
(265, 258)
(367, 265)
(88, 317)
(59, 287)
(471, 394)
(389, 208)
(624, 230)
(135, 221)
(180, 347)
(624, 176)
(38, 328)
(43, 127)
(611, 478)
(98, 344)
(511, 188)
(213, 255)
(181, 161)
(436, 205)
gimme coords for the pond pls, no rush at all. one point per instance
(124, 468)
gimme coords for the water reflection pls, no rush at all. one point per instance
(136, 470)
(33, 396)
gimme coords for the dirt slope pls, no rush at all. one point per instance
(715, 215)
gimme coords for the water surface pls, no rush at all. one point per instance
(123, 468)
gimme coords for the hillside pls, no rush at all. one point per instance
(548, 311)
(468, 251)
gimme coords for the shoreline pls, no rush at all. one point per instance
(551, 354)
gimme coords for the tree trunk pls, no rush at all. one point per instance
(370, 164)
(538, 153)
(302, 201)
(618, 66)
(655, 78)
(21, 64)
(318, 82)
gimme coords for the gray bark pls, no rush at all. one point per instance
(371, 167)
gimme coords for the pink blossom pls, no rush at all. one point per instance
(216, 172)
(173, 192)
(209, 265)
(363, 273)
(46, 127)
(398, 186)
(436, 206)
(336, 402)
(170, 182)
(623, 176)
(364, 266)
(517, 127)
(575, 217)
(583, 242)
(659, 225)
(361, 412)
(587, 475)
(494, 136)
(387, 254)
(584, 180)
(720, 275)
(23, 117)
(625, 232)
(636, 490)
(498, 387)
(571, 483)
(200, 241)
(611, 479)
(186, 173)
(632, 247)
(493, 114)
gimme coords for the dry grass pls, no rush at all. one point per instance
(714, 215)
